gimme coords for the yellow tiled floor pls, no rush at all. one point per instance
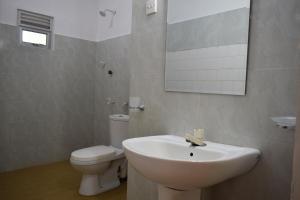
(50, 182)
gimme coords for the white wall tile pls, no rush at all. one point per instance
(225, 63)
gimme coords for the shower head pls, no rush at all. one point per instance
(103, 12)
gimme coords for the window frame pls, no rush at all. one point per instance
(29, 44)
(49, 33)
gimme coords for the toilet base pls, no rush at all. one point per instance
(93, 184)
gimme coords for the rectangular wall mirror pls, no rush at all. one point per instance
(207, 46)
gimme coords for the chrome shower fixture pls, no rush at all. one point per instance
(113, 12)
(103, 12)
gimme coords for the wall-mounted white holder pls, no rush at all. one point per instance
(151, 7)
(114, 101)
(135, 104)
(285, 122)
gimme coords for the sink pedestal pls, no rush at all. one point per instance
(165, 193)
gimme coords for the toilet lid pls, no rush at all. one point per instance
(94, 153)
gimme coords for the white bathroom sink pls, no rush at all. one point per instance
(172, 162)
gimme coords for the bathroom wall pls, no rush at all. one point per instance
(271, 91)
(54, 101)
(117, 26)
(111, 55)
(46, 99)
(296, 166)
(74, 18)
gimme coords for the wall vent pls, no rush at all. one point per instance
(35, 29)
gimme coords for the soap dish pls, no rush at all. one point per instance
(285, 122)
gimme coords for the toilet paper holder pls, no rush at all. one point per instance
(140, 108)
(135, 104)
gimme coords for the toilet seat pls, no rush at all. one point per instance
(93, 155)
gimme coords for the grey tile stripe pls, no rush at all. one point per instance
(221, 29)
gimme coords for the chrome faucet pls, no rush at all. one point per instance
(193, 144)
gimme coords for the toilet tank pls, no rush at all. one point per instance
(118, 129)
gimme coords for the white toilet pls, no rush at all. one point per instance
(102, 166)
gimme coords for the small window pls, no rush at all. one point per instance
(38, 39)
(35, 29)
